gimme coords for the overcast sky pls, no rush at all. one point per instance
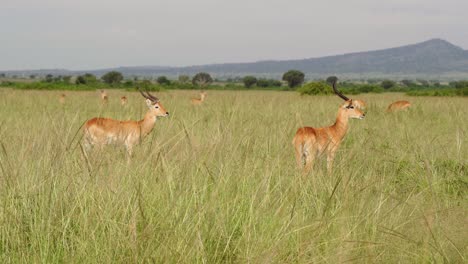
(91, 34)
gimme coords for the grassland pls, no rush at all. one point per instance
(217, 183)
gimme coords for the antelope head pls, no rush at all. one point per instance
(155, 107)
(350, 109)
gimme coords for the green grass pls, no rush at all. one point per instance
(218, 183)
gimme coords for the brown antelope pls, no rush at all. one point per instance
(359, 104)
(123, 100)
(310, 142)
(62, 98)
(103, 131)
(196, 101)
(104, 97)
(398, 105)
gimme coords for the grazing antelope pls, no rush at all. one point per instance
(398, 105)
(196, 101)
(104, 97)
(103, 131)
(123, 100)
(310, 142)
(62, 98)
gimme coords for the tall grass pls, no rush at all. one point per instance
(217, 183)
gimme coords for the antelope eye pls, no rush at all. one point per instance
(156, 106)
(351, 107)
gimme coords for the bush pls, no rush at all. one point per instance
(439, 92)
(163, 80)
(87, 78)
(368, 88)
(112, 78)
(315, 88)
(268, 83)
(249, 81)
(387, 84)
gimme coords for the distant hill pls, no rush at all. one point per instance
(435, 58)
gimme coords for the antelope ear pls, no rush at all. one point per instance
(149, 103)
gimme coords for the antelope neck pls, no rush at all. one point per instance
(341, 124)
(147, 123)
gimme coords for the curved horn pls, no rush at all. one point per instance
(144, 95)
(338, 92)
(152, 97)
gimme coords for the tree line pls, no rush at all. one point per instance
(291, 80)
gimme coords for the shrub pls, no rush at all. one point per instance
(315, 88)
(163, 80)
(112, 78)
(249, 81)
(268, 83)
(387, 84)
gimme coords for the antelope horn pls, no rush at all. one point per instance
(144, 95)
(338, 92)
(154, 98)
(148, 95)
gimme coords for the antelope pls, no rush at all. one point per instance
(310, 142)
(196, 101)
(104, 97)
(359, 104)
(398, 105)
(123, 100)
(104, 131)
(62, 99)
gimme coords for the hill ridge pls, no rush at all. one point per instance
(431, 58)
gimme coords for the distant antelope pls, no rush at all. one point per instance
(103, 131)
(104, 97)
(310, 142)
(196, 101)
(62, 98)
(398, 105)
(123, 100)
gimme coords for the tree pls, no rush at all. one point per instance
(275, 83)
(87, 78)
(461, 84)
(387, 84)
(32, 76)
(184, 78)
(57, 78)
(332, 79)
(66, 78)
(163, 80)
(263, 83)
(268, 83)
(293, 78)
(407, 82)
(249, 81)
(112, 77)
(202, 79)
(423, 82)
(49, 78)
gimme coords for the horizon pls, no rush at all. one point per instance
(50, 34)
(223, 63)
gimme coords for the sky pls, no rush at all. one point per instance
(94, 34)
